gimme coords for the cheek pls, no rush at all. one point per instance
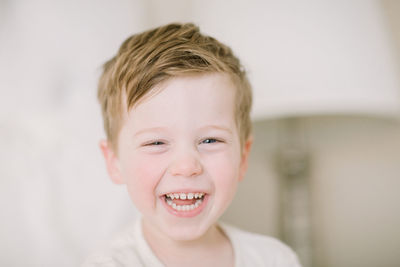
(142, 175)
(224, 171)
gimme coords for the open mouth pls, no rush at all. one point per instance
(184, 201)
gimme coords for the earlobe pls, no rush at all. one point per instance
(245, 157)
(112, 162)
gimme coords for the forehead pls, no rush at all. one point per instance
(187, 100)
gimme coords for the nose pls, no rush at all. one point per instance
(186, 165)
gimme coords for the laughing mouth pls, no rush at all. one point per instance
(184, 201)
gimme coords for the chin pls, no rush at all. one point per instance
(186, 233)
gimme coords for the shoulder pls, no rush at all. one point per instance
(120, 251)
(261, 250)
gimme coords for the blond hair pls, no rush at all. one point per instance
(149, 58)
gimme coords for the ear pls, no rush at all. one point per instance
(112, 162)
(245, 157)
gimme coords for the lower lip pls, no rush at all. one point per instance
(186, 214)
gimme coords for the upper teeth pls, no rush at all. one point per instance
(184, 196)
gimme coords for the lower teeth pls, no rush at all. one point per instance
(185, 207)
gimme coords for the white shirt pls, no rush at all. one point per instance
(253, 250)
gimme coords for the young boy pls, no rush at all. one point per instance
(176, 107)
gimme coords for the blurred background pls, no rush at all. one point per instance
(324, 174)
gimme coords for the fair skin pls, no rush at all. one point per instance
(180, 156)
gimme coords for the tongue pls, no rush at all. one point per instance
(184, 202)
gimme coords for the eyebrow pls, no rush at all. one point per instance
(159, 129)
(152, 129)
(218, 127)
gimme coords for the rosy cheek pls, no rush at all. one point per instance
(227, 183)
(143, 174)
(225, 174)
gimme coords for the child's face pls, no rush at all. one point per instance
(181, 140)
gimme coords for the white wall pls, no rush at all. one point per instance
(308, 57)
(56, 200)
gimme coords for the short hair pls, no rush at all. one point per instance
(151, 57)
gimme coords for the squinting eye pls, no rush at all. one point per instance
(210, 141)
(155, 143)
